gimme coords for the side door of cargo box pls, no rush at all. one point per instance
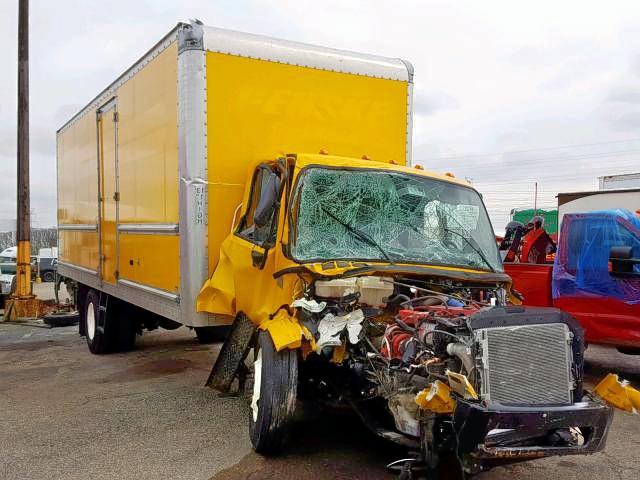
(107, 121)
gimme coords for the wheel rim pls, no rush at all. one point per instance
(91, 321)
(257, 380)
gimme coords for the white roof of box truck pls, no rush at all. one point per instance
(305, 55)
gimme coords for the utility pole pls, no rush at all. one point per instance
(23, 303)
(24, 216)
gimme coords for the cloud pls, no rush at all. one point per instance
(629, 94)
(621, 107)
(432, 102)
(489, 78)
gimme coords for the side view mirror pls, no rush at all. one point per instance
(268, 202)
(622, 262)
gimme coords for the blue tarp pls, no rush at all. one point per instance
(581, 266)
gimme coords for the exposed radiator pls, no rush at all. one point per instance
(528, 364)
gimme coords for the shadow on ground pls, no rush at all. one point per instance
(323, 444)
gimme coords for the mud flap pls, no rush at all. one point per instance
(234, 350)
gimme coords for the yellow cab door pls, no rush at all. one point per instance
(108, 158)
(243, 280)
(252, 244)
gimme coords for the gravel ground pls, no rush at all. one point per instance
(145, 414)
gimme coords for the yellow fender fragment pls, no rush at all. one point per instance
(437, 398)
(285, 331)
(460, 384)
(618, 394)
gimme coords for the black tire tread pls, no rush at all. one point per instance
(100, 343)
(278, 390)
(118, 334)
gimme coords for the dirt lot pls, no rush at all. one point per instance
(68, 414)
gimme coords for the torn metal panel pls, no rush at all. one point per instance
(309, 305)
(331, 327)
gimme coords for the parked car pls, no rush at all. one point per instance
(7, 280)
(47, 268)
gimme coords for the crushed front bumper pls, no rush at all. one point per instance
(499, 434)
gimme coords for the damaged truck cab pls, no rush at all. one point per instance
(380, 286)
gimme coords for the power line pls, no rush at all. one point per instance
(540, 149)
(545, 160)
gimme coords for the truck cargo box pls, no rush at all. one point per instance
(152, 170)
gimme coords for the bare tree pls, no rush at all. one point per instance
(40, 238)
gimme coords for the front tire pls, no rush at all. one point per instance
(273, 398)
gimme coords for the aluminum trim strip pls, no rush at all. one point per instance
(146, 288)
(409, 158)
(301, 54)
(150, 228)
(83, 227)
(149, 301)
(193, 191)
(78, 267)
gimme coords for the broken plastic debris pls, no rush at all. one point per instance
(460, 384)
(330, 328)
(618, 394)
(436, 397)
(309, 305)
(405, 414)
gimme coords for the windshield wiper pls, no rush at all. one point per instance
(475, 249)
(359, 235)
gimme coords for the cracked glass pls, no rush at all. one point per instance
(376, 215)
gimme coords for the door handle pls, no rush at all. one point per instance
(259, 258)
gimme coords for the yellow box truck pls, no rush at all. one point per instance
(152, 171)
(232, 179)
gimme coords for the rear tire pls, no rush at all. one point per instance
(629, 350)
(97, 336)
(121, 314)
(114, 330)
(273, 399)
(61, 319)
(215, 334)
(48, 277)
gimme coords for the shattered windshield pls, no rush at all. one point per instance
(342, 214)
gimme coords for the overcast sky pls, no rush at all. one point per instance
(506, 93)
